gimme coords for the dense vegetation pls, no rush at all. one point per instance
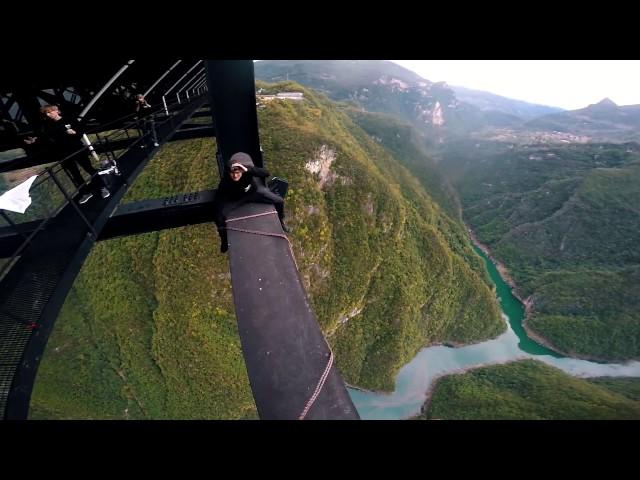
(408, 146)
(531, 390)
(625, 386)
(139, 335)
(566, 222)
(149, 330)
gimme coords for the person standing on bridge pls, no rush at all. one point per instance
(63, 139)
(146, 121)
(240, 185)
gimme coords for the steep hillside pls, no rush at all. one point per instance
(528, 390)
(566, 223)
(407, 146)
(148, 330)
(625, 386)
(392, 272)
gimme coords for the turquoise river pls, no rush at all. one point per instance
(415, 378)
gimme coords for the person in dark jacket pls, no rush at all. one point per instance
(240, 185)
(62, 139)
(146, 121)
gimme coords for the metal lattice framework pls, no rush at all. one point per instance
(44, 255)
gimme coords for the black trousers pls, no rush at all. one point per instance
(261, 195)
(71, 167)
(147, 127)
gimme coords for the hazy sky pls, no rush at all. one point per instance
(569, 84)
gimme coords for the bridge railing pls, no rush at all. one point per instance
(53, 189)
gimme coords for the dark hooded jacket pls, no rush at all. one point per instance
(249, 188)
(228, 190)
(56, 139)
(143, 110)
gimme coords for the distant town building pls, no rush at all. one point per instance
(296, 96)
(262, 99)
(290, 95)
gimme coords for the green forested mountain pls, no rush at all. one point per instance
(531, 390)
(626, 386)
(407, 145)
(148, 330)
(335, 78)
(384, 87)
(566, 222)
(553, 198)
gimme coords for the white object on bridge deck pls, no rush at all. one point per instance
(17, 199)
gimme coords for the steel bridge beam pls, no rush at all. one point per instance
(133, 218)
(233, 101)
(290, 366)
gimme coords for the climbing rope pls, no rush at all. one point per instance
(318, 389)
(255, 232)
(250, 216)
(327, 369)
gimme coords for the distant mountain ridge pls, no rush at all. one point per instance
(442, 112)
(490, 101)
(384, 87)
(600, 122)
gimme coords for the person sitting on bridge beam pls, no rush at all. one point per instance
(240, 185)
(62, 139)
